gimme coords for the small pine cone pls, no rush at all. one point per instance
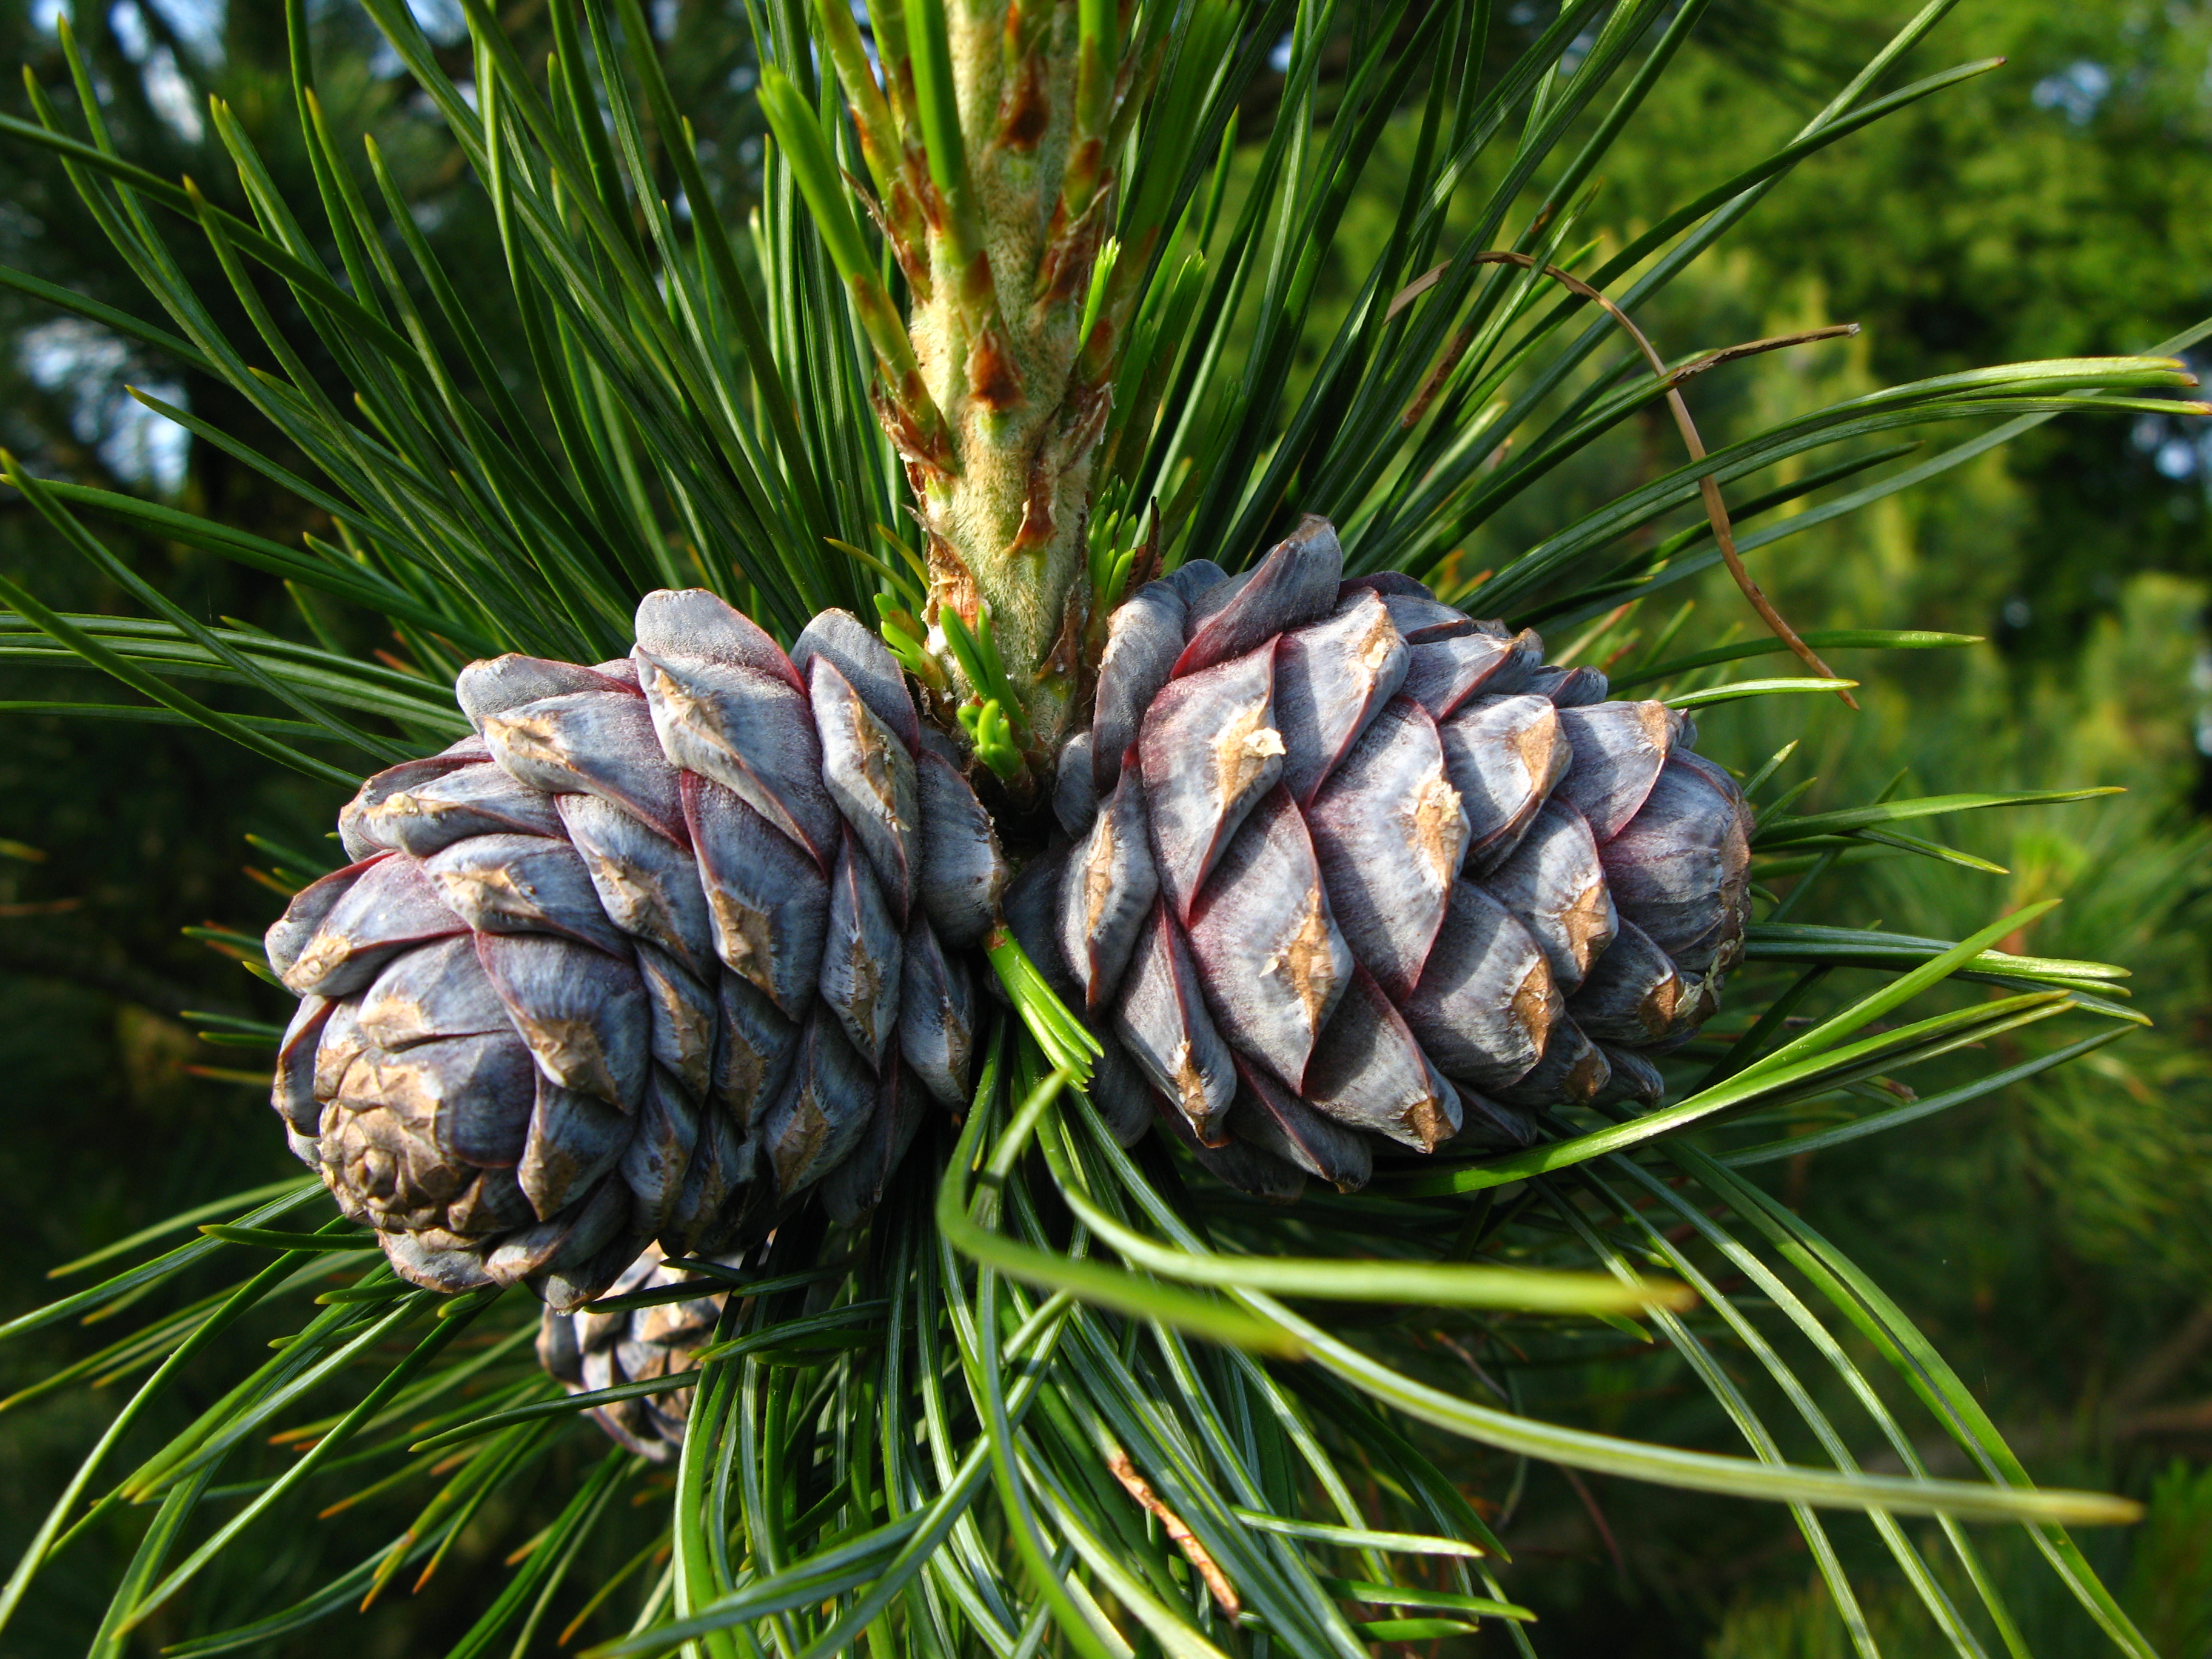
(585, 1353)
(670, 941)
(1350, 873)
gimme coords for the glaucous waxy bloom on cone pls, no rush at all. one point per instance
(677, 939)
(670, 942)
(1346, 872)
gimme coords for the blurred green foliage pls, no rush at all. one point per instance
(2051, 1239)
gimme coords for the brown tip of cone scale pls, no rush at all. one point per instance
(1535, 1001)
(1583, 1078)
(1425, 1119)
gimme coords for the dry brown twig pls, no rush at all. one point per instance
(1224, 1593)
(1708, 487)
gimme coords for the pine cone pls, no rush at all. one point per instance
(677, 939)
(670, 941)
(587, 1351)
(1351, 873)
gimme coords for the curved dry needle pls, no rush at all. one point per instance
(1708, 487)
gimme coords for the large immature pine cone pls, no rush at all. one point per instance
(679, 939)
(1350, 873)
(673, 940)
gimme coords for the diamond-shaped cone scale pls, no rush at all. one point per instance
(1416, 614)
(721, 1165)
(648, 885)
(1633, 994)
(448, 1271)
(1330, 679)
(1120, 1089)
(1109, 889)
(575, 1235)
(861, 954)
(1391, 834)
(691, 623)
(448, 805)
(1634, 1077)
(1296, 584)
(749, 732)
(1370, 1072)
(589, 743)
(865, 664)
(441, 990)
(870, 775)
(1679, 870)
(1162, 1021)
(1032, 913)
(1236, 1162)
(1075, 785)
(1266, 948)
(1124, 1100)
(754, 1049)
(1504, 755)
(379, 911)
(936, 1016)
(853, 1189)
(1570, 688)
(293, 1093)
(684, 1017)
(1488, 1125)
(573, 1140)
(1205, 588)
(583, 1013)
(1572, 1071)
(1486, 1001)
(1270, 1117)
(663, 1135)
(1192, 580)
(522, 884)
(1207, 752)
(768, 904)
(824, 1109)
(1442, 673)
(1619, 747)
(1143, 640)
(1555, 885)
(286, 941)
(355, 817)
(963, 873)
(485, 688)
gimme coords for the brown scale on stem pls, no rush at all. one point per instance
(1023, 114)
(905, 245)
(1007, 222)
(993, 379)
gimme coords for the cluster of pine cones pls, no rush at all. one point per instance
(676, 940)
